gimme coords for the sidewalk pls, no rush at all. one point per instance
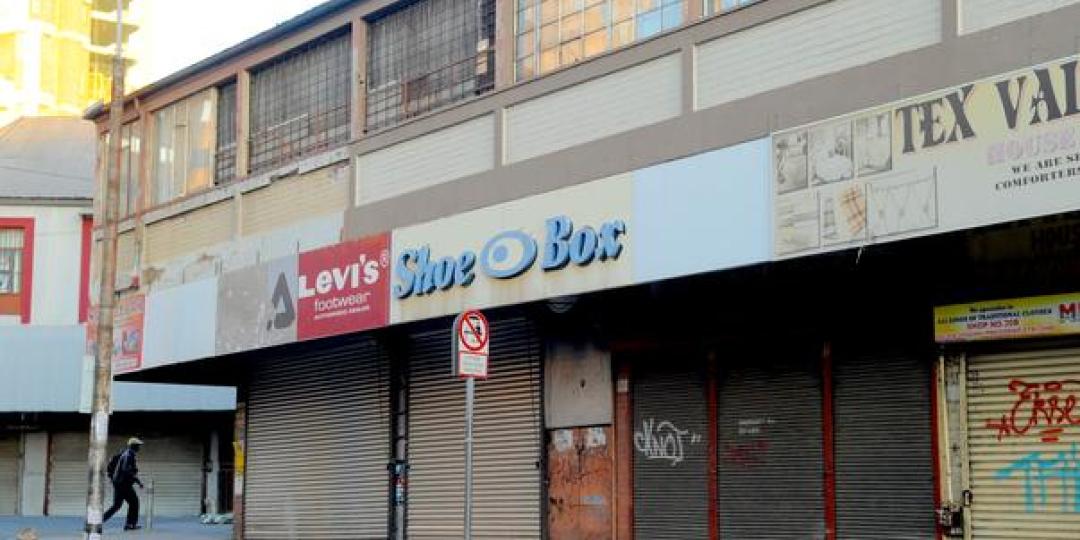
(71, 528)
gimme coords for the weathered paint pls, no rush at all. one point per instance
(580, 468)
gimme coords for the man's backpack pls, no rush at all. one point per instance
(111, 468)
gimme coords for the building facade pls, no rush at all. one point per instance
(773, 269)
(46, 213)
(56, 55)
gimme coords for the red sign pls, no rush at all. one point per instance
(471, 344)
(128, 315)
(344, 288)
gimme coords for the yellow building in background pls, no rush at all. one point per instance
(55, 55)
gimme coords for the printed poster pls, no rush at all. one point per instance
(128, 317)
(1001, 149)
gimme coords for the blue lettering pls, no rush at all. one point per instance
(464, 274)
(404, 287)
(583, 246)
(424, 282)
(556, 243)
(497, 257)
(444, 273)
(610, 246)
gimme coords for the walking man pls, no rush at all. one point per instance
(123, 471)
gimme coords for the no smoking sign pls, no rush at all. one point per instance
(472, 337)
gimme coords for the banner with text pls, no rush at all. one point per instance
(997, 150)
(1037, 316)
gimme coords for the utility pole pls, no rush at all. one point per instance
(99, 419)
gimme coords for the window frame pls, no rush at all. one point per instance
(26, 281)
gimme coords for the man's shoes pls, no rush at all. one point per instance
(132, 527)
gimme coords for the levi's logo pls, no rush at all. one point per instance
(339, 278)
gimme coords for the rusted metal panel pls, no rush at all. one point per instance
(580, 469)
(1024, 441)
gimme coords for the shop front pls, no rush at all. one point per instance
(1014, 367)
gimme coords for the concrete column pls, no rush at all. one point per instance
(35, 462)
(213, 474)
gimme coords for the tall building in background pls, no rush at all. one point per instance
(55, 55)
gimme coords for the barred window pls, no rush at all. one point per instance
(428, 55)
(225, 155)
(300, 102)
(556, 33)
(713, 7)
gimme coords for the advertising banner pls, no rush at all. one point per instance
(1038, 316)
(992, 151)
(343, 288)
(128, 317)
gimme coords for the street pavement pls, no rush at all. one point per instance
(70, 528)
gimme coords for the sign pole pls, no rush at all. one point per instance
(470, 389)
(469, 350)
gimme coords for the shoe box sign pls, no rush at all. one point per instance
(343, 288)
(508, 255)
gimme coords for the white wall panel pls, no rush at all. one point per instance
(612, 104)
(829, 38)
(978, 15)
(437, 157)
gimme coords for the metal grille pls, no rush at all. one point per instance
(225, 155)
(884, 461)
(9, 474)
(671, 457)
(770, 453)
(1024, 445)
(506, 433)
(318, 445)
(300, 102)
(428, 55)
(173, 462)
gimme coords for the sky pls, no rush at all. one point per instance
(177, 33)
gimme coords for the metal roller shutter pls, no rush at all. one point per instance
(9, 474)
(318, 444)
(671, 457)
(174, 463)
(1024, 445)
(883, 447)
(506, 443)
(770, 452)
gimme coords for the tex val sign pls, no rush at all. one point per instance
(1038, 316)
(996, 150)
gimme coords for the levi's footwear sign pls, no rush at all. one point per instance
(343, 288)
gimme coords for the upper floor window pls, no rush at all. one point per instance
(225, 156)
(713, 7)
(183, 149)
(300, 102)
(557, 33)
(427, 55)
(11, 247)
(130, 159)
(11, 270)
